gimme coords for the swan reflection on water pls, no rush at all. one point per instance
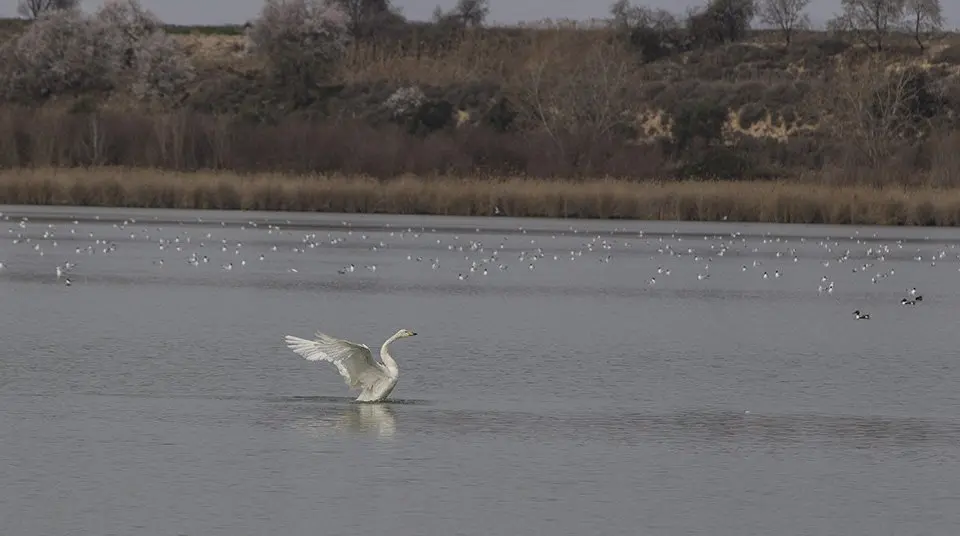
(368, 419)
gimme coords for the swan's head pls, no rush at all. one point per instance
(403, 333)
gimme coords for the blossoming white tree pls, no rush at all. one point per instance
(122, 47)
(302, 41)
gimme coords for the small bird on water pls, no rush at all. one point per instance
(861, 316)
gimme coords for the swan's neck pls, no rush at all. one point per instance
(387, 358)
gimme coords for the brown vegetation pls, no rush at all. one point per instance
(183, 141)
(744, 201)
(650, 96)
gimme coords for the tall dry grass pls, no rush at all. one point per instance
(780, 202)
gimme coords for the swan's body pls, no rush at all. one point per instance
(355, 362)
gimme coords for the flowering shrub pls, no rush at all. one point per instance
(130, 23)
(161, 68)
(405, 101)
(121, 47)
(302, 40)
(63, 51)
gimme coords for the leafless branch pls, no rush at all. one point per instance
(872, 20)
(35, 8)
(874, 109)
(572, 93)
(923, 17)
(786, 15)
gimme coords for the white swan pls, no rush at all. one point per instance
(355, 362)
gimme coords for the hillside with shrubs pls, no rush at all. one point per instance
(352, 87)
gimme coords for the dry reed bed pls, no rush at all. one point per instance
(781, 202)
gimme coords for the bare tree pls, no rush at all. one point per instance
(654, 33)
(625, 15)
(472, 12)
(34, 8)
(874, 110)
(787, 15)
(577, 92)
(363, 16)
(924, 16)
(721, 21)
(871, 20)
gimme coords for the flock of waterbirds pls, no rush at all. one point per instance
(194, 243)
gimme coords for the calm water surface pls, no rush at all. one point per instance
(574, 398)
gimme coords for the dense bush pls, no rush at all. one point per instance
(949, 55)
(68, 52)
(63, 52)
(698, 122)
(301, 40)
(161, 69)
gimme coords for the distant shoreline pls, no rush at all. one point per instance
(688, 200)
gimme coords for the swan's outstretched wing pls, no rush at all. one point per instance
(354, 361)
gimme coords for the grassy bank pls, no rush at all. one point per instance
(748, 201)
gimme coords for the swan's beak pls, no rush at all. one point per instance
(412, 333)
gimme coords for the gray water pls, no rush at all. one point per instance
(576, 398)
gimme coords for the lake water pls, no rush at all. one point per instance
(575, 398)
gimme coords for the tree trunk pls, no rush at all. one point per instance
(916, 33)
